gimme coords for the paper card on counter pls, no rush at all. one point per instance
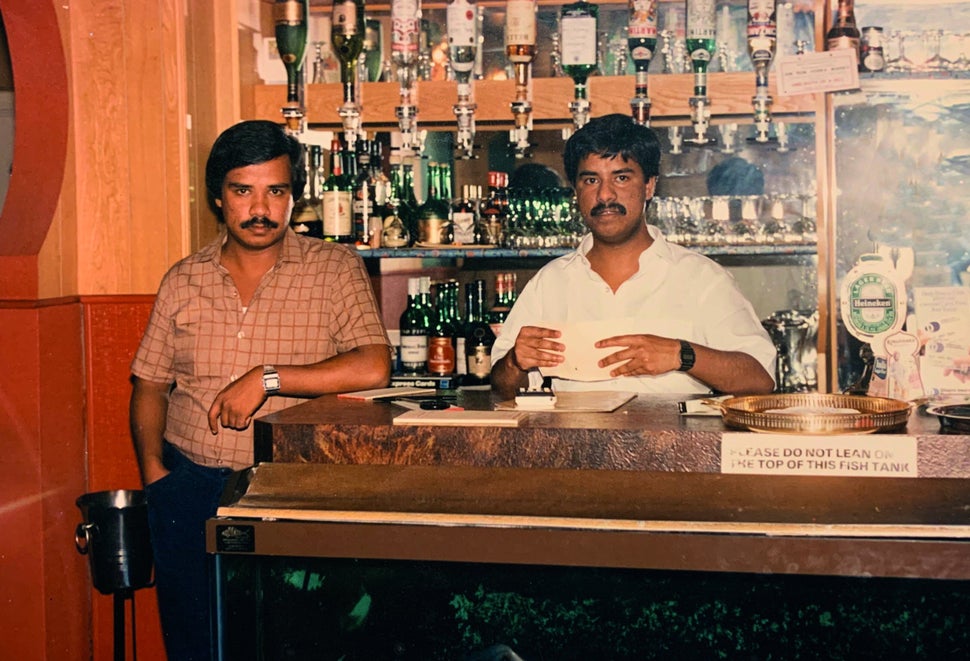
(943, 326)
(377, 394)
(580, 337)
(604, 401)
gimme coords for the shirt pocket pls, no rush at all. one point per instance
(188, 333)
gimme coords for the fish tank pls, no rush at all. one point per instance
(273, 607)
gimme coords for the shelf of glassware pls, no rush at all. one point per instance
(715, 251)
(730, 95)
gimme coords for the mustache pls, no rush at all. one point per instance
(259, 220)
(604, 208)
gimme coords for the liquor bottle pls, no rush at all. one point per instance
(578, 24)
(408, 204)
(463, 217)
(306, 217)
(415, 329)
(395, 233)
(441, 345)
(405, 35)
(701, 42)
(462, 29)
(290, 17)
(762, 34)
(642, 39)
(520, 31)
(479, 337)
(458, 325)
(338, 218)
(347, 36)
(500, 308)
(844, 33)
(492, 215)
(434, 214)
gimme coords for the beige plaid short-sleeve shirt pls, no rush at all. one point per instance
(315, 303)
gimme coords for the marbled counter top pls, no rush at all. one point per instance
(647, 434)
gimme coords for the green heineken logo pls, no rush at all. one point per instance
(872, 302)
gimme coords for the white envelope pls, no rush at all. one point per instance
(580, 337)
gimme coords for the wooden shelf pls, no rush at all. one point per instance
(761, 250)
(730, 95)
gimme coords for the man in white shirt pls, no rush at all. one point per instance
(684, 326)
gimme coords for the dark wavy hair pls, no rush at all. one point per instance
(250, 143)
(613, 135)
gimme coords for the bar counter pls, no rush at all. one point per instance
(646, 434)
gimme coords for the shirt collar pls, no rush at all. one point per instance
(660, 249)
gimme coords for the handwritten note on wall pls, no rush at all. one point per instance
(882, 455)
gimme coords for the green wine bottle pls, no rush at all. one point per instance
(290, 17)
(347, 35)
(701, 19)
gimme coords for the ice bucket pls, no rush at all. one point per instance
(114, 536)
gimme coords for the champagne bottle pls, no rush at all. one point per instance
(492, 216)
(642, 39)
(578, 23)
(844, 33)
(395, 232)
(520, 31)
(434, 214)
(290, 17)
(347, 36)
(701, 20)
(463, 217)
(337, 200)
(479, 337)
(462, 40)
(408, 204)
(415, 328)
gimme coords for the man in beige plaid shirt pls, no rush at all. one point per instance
(257, 321)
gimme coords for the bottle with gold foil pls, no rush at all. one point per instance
(844, 33)
(479, 337)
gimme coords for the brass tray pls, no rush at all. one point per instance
(875, 414)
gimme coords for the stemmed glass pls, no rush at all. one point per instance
(934, 40)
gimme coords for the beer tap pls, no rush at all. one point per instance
(578, 22)
(347, 37)
(642, 42)
(701, 47)
(462, 18)
(762, 38)
(520, 48)
(405, 37)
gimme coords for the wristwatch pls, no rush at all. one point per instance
(271, 380)
(687, 356)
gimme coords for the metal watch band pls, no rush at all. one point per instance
(687, 356)
(271, 380)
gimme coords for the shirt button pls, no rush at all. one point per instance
(233, 377)
(241, 334)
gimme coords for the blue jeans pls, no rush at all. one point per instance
(178, 506)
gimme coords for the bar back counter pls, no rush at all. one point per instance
(640, 533)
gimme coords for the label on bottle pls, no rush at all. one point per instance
(461, 366)
(345, 17)
(480, 362)
(578, 40)
(520, 26)
(441, 356)
(414, 351)
(337, 213)
(643, 20)
(461, 24)
(405, 26)
(762, 30)
(464, 227)
(288, 13)
(700, 20)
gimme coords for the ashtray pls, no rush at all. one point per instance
(954, 418)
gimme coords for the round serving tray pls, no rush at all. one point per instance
(867, 415)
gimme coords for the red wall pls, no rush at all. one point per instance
(64, 432)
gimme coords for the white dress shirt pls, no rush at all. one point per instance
(676, 293)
